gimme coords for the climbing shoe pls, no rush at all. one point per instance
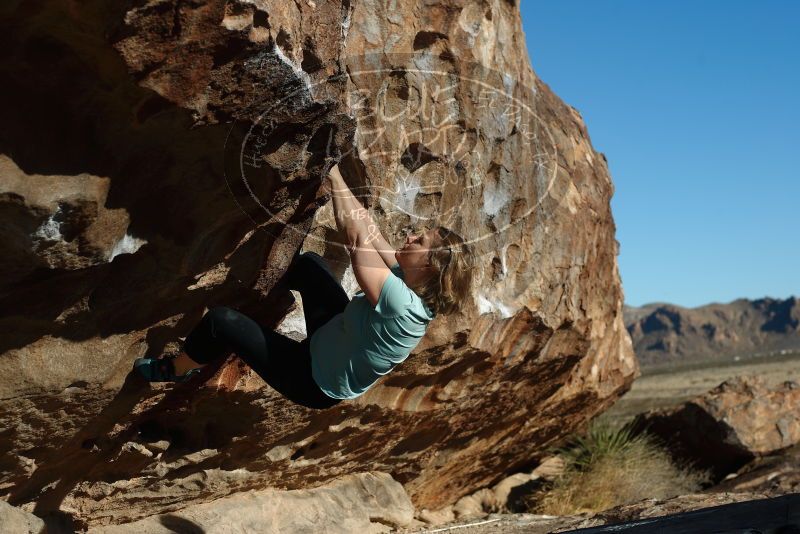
(161, 370)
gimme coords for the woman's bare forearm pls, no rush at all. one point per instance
(354, 219)
(351, 216)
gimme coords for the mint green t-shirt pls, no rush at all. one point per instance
(355, 348)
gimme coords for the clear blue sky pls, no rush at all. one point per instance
(695, 105)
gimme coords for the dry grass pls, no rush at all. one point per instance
(608, 467)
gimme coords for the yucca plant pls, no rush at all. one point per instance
(602, 439)
(609, 466)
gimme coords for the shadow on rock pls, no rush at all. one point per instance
(180, 525)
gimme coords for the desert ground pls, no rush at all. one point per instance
(659, 388)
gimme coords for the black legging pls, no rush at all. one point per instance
(285, 364)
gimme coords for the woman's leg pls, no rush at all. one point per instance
(283, 363)
(290, 372)
(323, 296)
(222, 331)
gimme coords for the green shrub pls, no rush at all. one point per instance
(608, 467)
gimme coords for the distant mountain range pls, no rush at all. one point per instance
(665, 333)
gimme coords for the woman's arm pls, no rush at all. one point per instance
(383, 248)
(349, 210)
(351, 216)
(360, 232)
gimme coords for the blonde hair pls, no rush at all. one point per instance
(448, 289)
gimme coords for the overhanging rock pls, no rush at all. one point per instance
(165, 157)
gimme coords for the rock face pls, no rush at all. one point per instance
(665, 333)
(774, 474)
(367, 502)
(162, 157)
(19, 522)
(729, 426)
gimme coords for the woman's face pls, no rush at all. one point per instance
(415, 252)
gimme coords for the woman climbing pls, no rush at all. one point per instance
(350, 344)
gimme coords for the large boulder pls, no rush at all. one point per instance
(367, 503)
(162, 157)
(725, 428)
(19, 522)
(773, 474)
